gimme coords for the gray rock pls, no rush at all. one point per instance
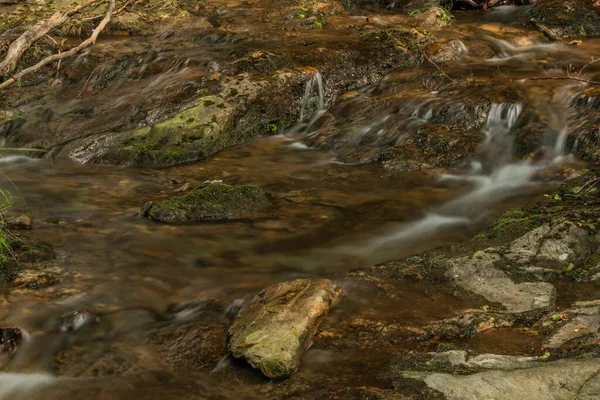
(275, 328)
(586, 321)
(559, 380)
(452, 357)
(480, 274)
(553, 246)
(459, 358)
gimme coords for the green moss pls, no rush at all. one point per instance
(192, 134)
(509, 217)
(214, 201)
(481, 236)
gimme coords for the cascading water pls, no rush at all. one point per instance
(313, 100)
(494, 174)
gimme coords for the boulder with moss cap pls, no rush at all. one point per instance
(213, 201)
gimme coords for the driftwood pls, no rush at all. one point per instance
(32, 35)
(57, 57)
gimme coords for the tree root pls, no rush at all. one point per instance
(55, 57)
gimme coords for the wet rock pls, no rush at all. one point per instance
(480, 274)
(574, 19)
(191, 346)
(10, 338)
(453, 50)
(34, 279)
(554, 245)
(550, 381)
(21, 222)
(215, 201)
(77, 320)
(579, 322)
(459, 358)
(434, 17)
(260, 62)
(275, 328)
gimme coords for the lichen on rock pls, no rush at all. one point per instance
(276, 327)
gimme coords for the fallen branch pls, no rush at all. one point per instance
(545, 30)
(32, 35)
(437, 67)
(562, 78)
(56, 57)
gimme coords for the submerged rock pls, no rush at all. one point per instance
(191, 346)
(215, 201)
(275, 328)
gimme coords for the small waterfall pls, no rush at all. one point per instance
(313, 100)
(498, 139)
(501, 119)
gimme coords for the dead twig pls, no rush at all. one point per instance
(438, 67)
(87, 81)
(588, 186)
(32, 35)
(562, 78)
(56, 57)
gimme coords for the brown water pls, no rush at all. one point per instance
(330, 218)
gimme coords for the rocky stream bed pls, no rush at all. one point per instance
(299, 199)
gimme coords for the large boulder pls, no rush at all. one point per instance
(278, 324)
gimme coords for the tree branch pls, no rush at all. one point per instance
(56, 57)
(32, 35)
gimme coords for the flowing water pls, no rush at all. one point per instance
(333, 215)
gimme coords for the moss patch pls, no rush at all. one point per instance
(215, 201)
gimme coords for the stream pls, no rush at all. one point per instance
(337, 210)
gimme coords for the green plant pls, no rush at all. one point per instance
(347, 4)
(555, 317)
(444, 16)
(272, 129)
(554, 196)
(6, 237)
(318, 24)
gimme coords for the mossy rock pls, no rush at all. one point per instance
(215, 201)
(191, 135)
(574, 19)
